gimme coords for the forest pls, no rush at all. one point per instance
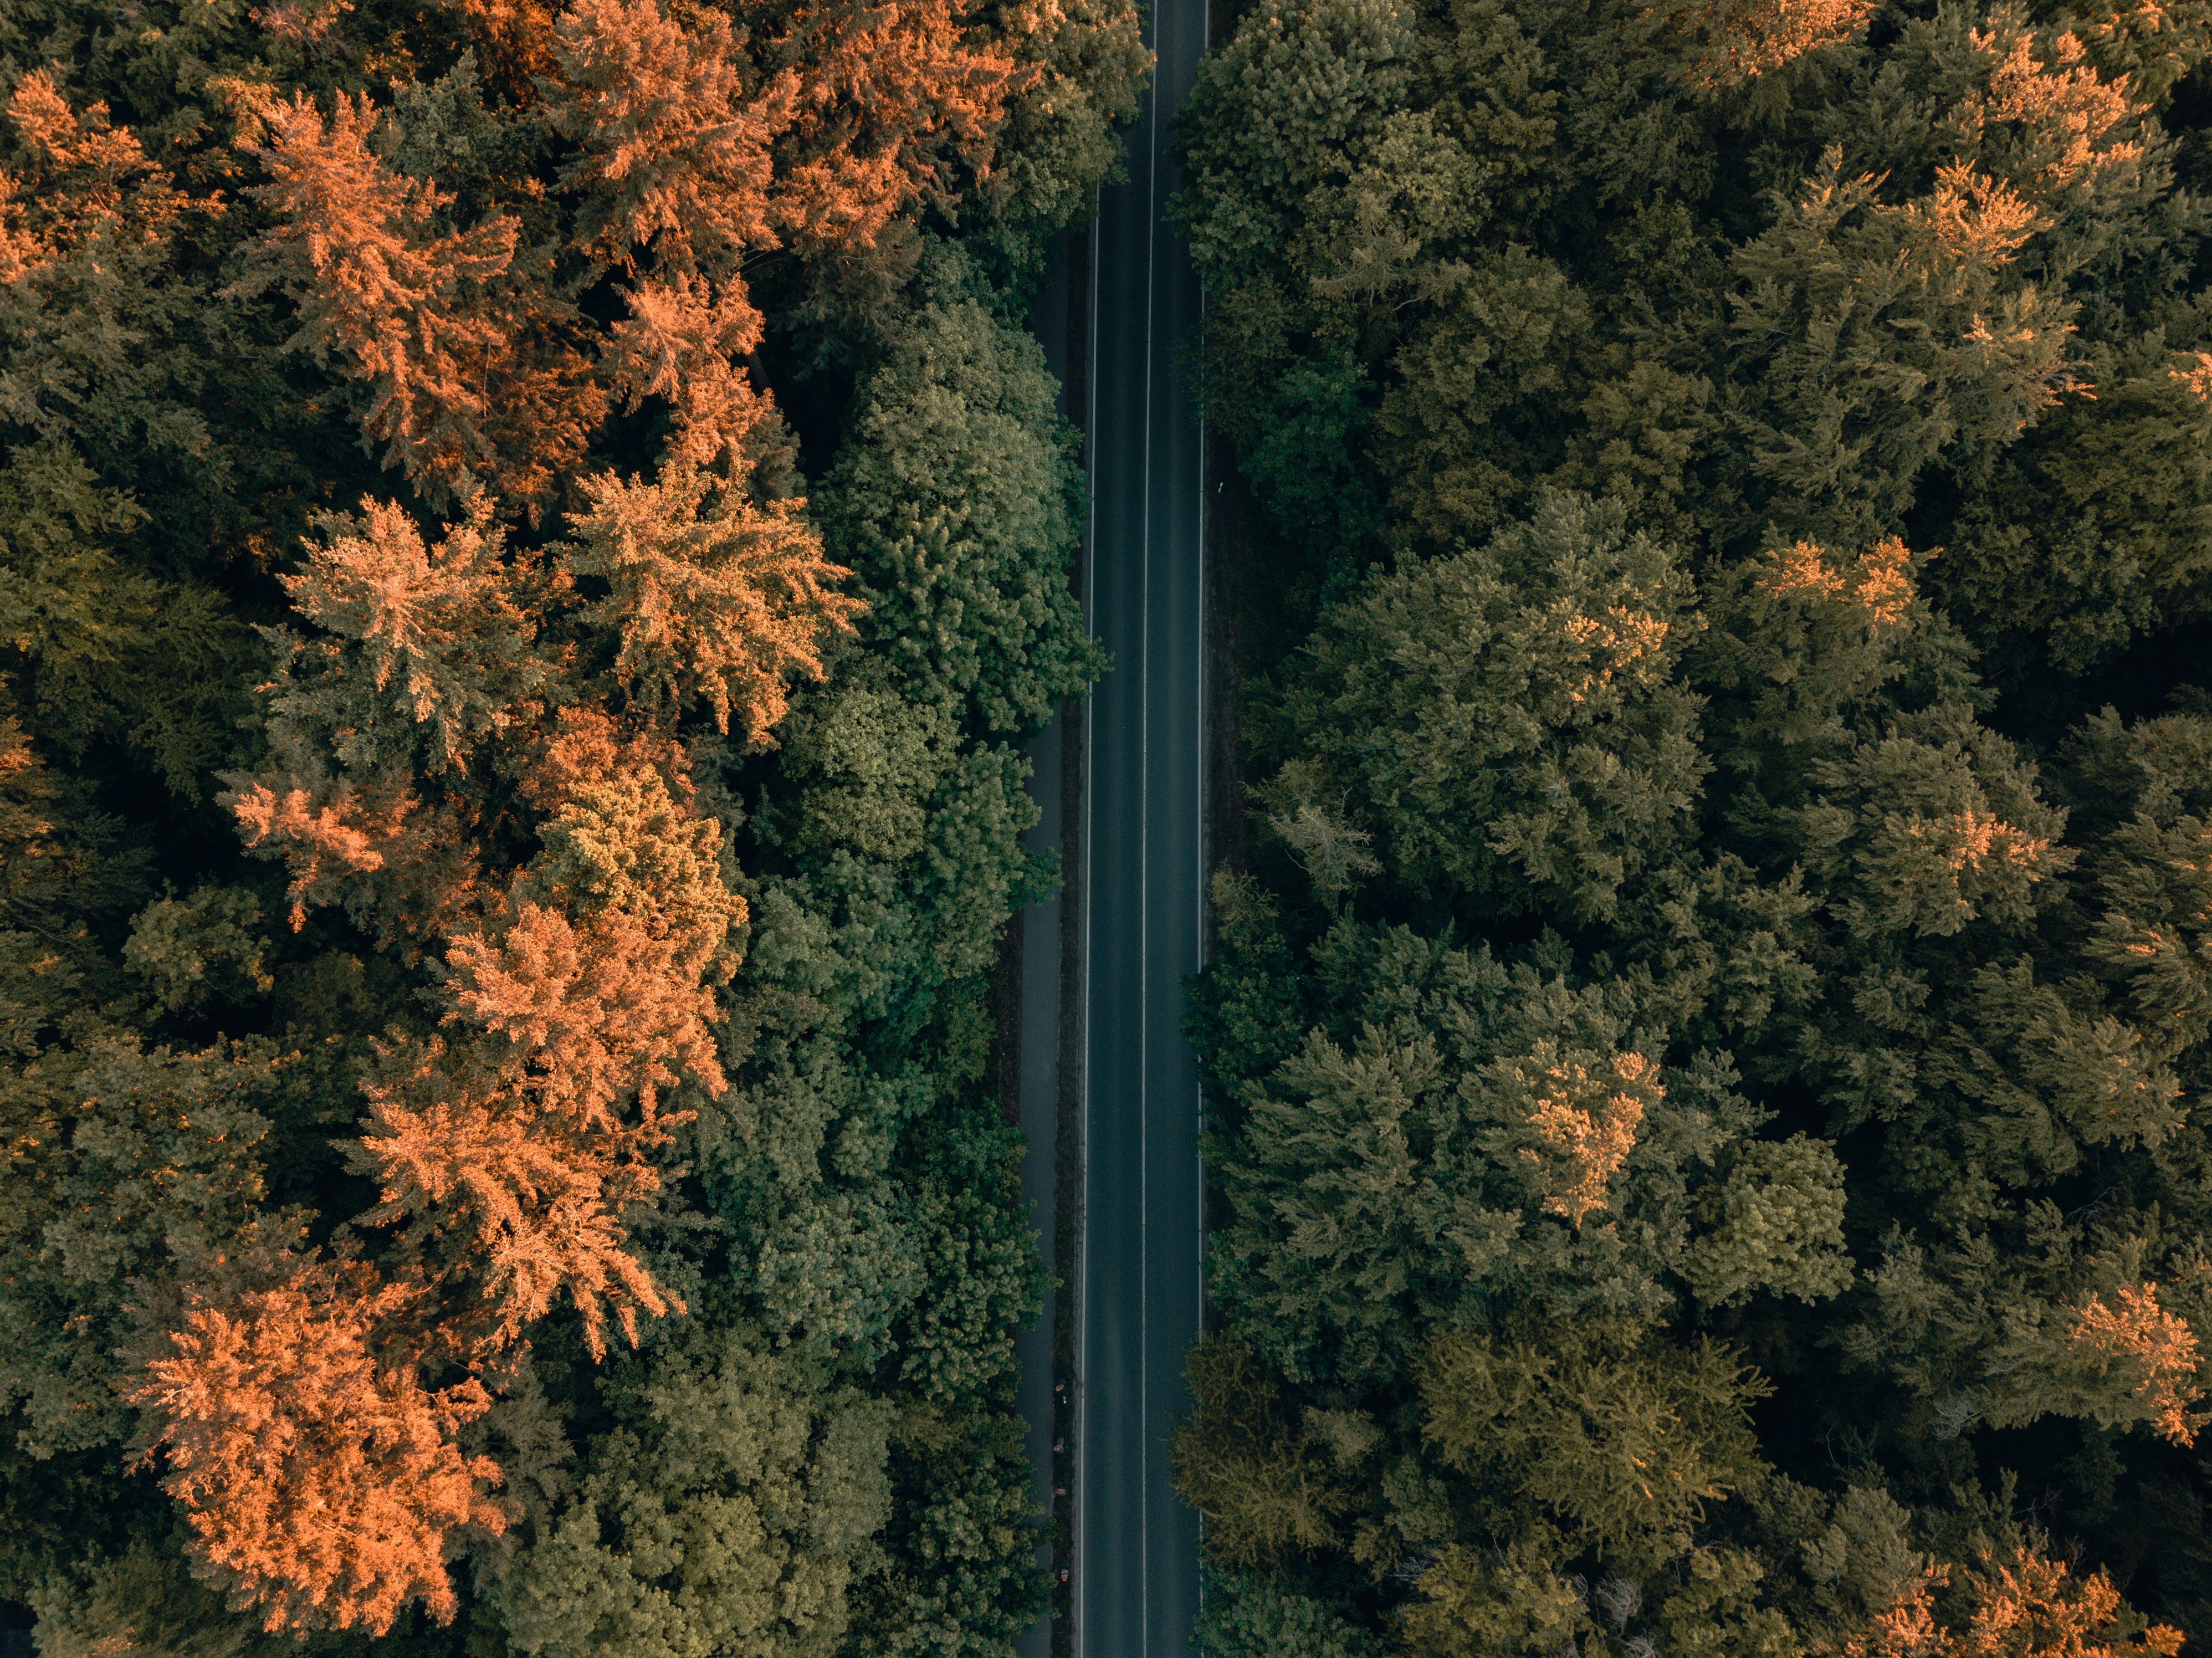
(1707, 1047)
(533, 535)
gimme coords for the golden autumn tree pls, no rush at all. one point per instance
(692, 144)
(445, 698)
(453, 687)
(512, 1143)
(317, 1475)
(723, 606)
(2150, 1346)
(1581, 1121)
(397, 304)
(2020, 1604)
(1739, 40)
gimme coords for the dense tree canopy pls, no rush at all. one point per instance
(1706, 1048)
(532, 536)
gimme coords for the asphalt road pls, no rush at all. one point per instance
(1136, 1545)
(1102, 970)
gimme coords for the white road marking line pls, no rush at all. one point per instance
(1082, 1318)
(1144, 904)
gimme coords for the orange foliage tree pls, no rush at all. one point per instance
(697, 144)
(2143, 1342)
(473, 753)
(90, 181)
(460, 381)
(2020, 1606)
(509, 1145)
(318, 1476)
(447, 700)
(1583, 1119)
(674, 129)
(1742, 39)
(723, 606)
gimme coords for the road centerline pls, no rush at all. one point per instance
(1136, 1548)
